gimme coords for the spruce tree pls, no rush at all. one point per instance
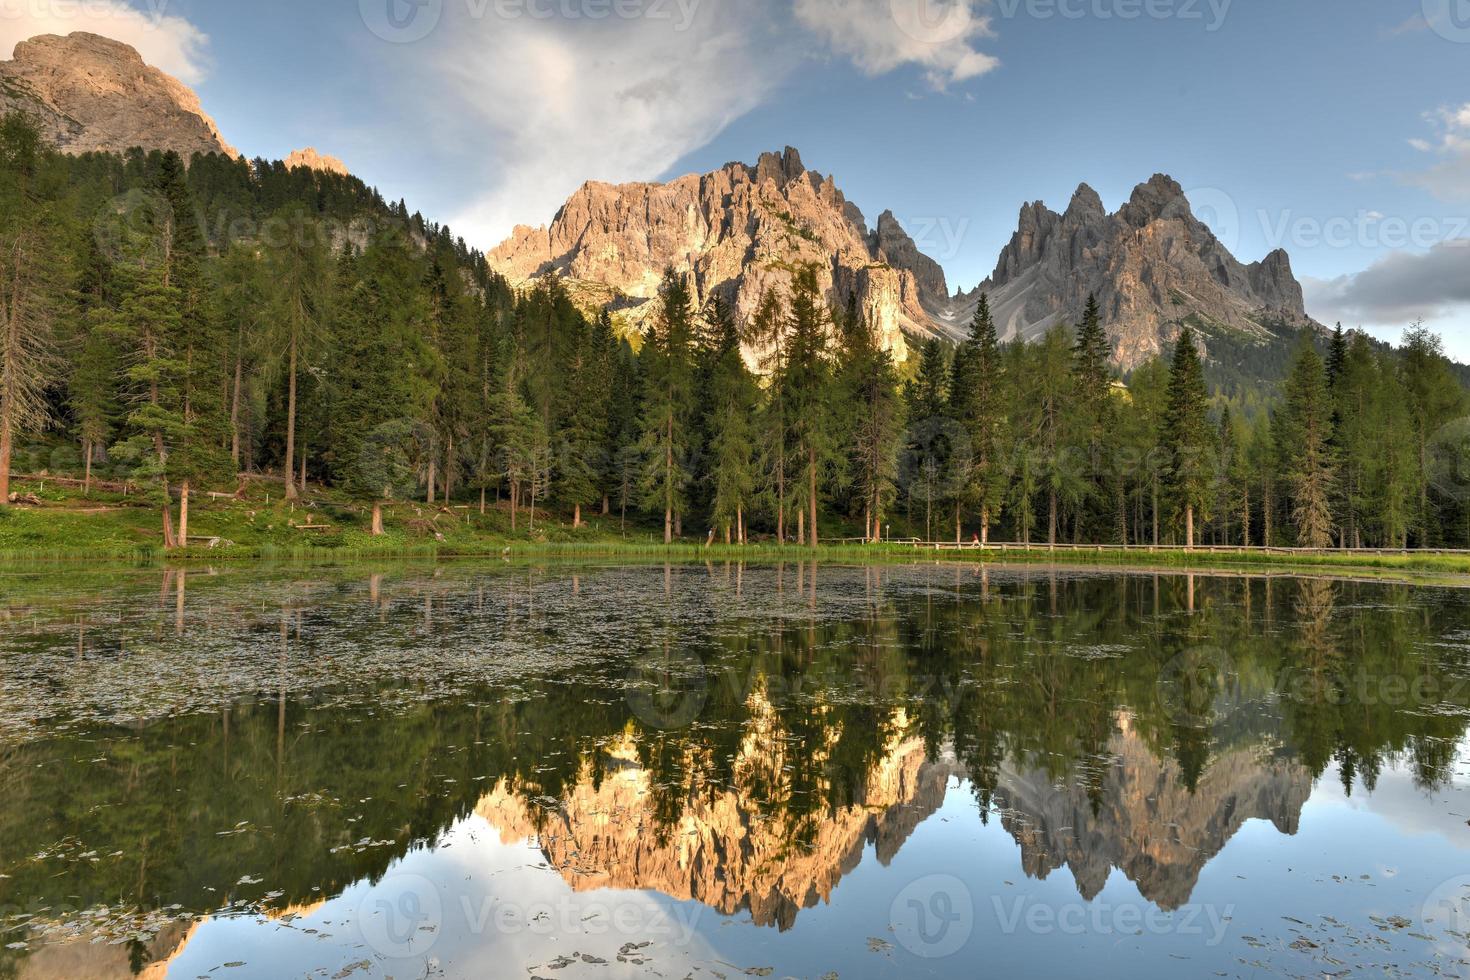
(809, 393)
(734, 397)
(1310, 469)
(668, 403)
(977, 396)
(1186, 439)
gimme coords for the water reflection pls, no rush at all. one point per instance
(294, 765)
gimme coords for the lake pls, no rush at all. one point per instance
(577, 770)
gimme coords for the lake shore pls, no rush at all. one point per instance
(66, 527)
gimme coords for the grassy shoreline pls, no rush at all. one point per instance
(104, 528)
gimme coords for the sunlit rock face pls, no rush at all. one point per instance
(312, 160)
(93, 94)
(731, 849)
(82, 960)
(737, 232)
(1153, 267)
(1146, 821)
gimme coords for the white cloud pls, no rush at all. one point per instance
(1398, 289)
(1449, 178)
(541, 104)
(165, 41)
(567, 102)
(883, 35)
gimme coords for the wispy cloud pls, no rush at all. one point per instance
(166, 41)
(883, 35)
(1448, 178)
(556, 101)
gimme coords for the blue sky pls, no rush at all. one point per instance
(1339, 130)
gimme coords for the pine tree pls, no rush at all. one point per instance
(870, 382)
(297, 271)
(1093, 383)
(768, 332)
(1310, 470)
(809, 393)
(1186, 439)
(734, 397)
(668, 350)
(30, 290)
(977, 396)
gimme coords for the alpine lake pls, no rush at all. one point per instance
(581, 770)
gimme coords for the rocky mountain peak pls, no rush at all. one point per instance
(90, 93)
(780, 167)
(1153, 267)
(1085, 203)
(737, 232)
(1159, 197)
(894, 246)
(312, 160)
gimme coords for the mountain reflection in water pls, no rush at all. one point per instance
(261, 747)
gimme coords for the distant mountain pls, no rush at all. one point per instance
(737, 232)
(745, 229)
(312, 160)
(1153, 266)
(90, 93)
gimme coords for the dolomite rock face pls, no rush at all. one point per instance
(1152, 265)
(1147, 823)
(312, 160)
(725, 849)
(737, 232)
(90, 93)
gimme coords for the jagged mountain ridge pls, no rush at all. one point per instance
(742, 230)
(737, 232)
(1153, 266)
(89, 93)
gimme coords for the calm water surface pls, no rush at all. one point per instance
(721, 771)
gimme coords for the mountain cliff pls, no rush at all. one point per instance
(1153, 266)
(737, 232)
(90, 93)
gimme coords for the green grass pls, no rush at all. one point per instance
(265, 528)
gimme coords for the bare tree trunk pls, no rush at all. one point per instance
(235, 409)
(576, 516)
(1189, 527)
(291, 423)
(959, 531)
(812, 466)
(6, 448)
(449, 472)
(86, 468)
(1051, 534)
(801, 527)
(433, 476)
(985, 525)
(1156, 510)
(303, 470)
(669, 483)
(482, 500)
(184, 514)
(169, 541)
(377, 518)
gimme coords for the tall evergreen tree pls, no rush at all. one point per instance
(734, 397)
(668, 405)
(1310, 469)
(1186, 439)
(978, 395)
